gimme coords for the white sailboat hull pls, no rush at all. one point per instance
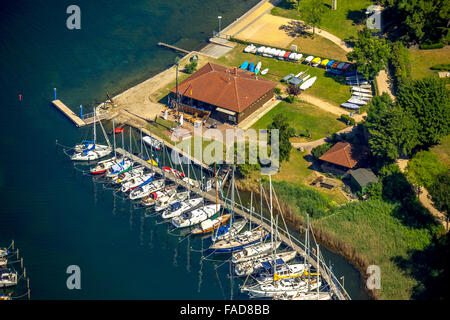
(185, 206)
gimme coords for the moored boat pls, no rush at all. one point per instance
(195, 216)
(208, 226)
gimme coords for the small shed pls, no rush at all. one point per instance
(361, 178)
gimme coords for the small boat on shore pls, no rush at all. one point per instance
(258, 67)
(265, 71)
(308, 83)
(350, 106)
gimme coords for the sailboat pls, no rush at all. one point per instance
(118, 168)
(90, 150)
(164, 202)
(8, 278)
(235, 226)
(249, 267)
(253, 252)
(135, 182)
(209, 225)
(146, 188)
(178, 208)
(3, 262)
(127, 175)
(280, 269)
(195, 216)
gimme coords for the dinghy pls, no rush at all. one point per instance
(360, 89)
(286, 78)
(324, 62)
(265, 71)
(308, 83)
(251, 67)
(244, 65)
(361, 94)
(350, 106)
(309, 59)
(258, 67)
(355, 100)
(195, 216)
(181, 207)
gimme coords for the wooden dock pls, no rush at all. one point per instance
(69, 113)
(173, 47)
(79, 122)
(338, 291)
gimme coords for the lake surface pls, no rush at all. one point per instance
(57, 216)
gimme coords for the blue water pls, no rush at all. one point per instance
(57, 216)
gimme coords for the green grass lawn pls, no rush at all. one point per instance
(303, 116)
(371, 228)
(321, 47)
(328, 87)
(343, 22)
(422, 60)
(443, 151)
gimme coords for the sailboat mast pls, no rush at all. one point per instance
(309, 269)
(318, 268)
(232, 191)
(114, 137)
(251, 209)
(271, 226)
(215, 175)
(95, 134)
(189, 173)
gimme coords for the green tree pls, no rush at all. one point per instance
(427, 100)
(440, 190)
(370, 53)
(419, 21)
(281, 123)
(423, 168)
(392, 131)
(375, 190)
(312, 14)
(320, 150)
(191, 67)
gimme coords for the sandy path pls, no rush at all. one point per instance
(384, 84)
(425, 198)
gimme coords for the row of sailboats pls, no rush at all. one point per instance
(253, 251)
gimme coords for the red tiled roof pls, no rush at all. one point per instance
(232, 89)
(343, 154)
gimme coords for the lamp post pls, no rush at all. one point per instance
(220, 18)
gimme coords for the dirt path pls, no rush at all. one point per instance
(425, 198)
(308, 146)
(384, 84)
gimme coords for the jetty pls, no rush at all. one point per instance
(173, 47)
(79, 122)
(336, 288)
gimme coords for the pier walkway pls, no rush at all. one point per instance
(79, 122)
(337, 290)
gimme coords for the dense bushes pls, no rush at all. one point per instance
(439, 45)
(318, 151)
(400, 63)
(441, 67)
(347, 119)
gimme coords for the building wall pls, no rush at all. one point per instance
(256, 105)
